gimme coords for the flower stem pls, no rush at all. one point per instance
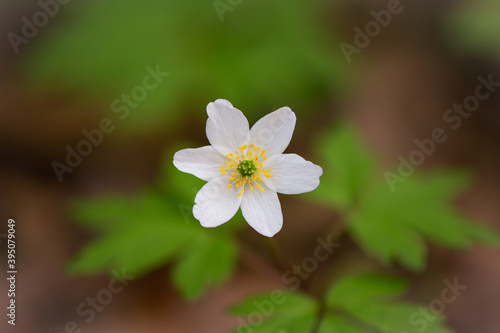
(321, 313)
(276, 253)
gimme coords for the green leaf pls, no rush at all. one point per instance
(139, 235)
(370, 301)
(104, 215)
(208, 262)
(393, 222)
(155, 228)
(393, 226)
(334, 324)
(149, 231)
(347, 166)
(483, 235)
(367, 287)
(277, 311)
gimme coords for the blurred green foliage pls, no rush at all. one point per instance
(392, 226)
(263, 54)
(354, 304)
(368, 301)
(395, 225)
(474, 26)
(347, 167)
(157, 227)
(291, 312)
(154, 228)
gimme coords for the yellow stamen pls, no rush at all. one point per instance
(253, 157)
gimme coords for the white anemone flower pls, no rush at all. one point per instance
(246, 168)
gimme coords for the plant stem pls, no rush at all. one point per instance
(321, 314)
(335, 232)
(277, 254)
(260, 264)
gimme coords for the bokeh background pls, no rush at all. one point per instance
(73, 70)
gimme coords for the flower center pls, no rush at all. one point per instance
(246, 167)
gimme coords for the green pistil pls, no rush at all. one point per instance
(246, 168)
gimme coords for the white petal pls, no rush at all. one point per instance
(291, 174)
(262, 211)
(227, 127)
(202, 162)
(274, 131)
(224, 101)
(216, 204)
